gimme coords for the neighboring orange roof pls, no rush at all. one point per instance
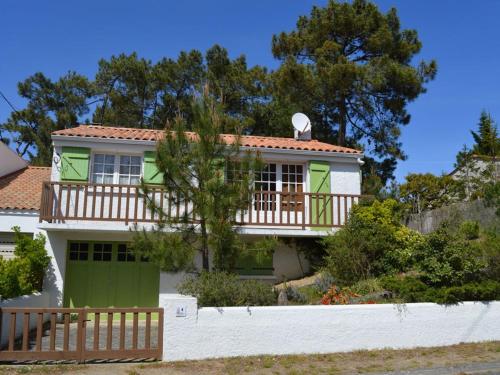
(21, 190)
(109, 132)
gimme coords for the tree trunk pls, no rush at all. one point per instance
(204, 246)
(342, 124)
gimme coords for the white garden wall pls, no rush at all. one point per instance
(31, 300)
(241, 331)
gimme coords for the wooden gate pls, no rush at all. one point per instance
(81, 334)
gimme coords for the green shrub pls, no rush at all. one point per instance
(367, 286)
(446, 259)
(372, 243)
(295, 295)
(490, 246)
(225, 289)
(469, 229)
(24, 273)
(411, 289)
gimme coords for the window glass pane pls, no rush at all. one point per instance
(124, 160)
(97, 179)
(124, 169)
(123, 180)
(102, 252)
(135, 160)
(98, 168)
(109, 159)
(98, 158)
(134, 180)
(108, 179)
(109, 168)
(135, 170)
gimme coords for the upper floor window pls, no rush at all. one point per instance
(103, 169)
(114, 169)
(130, 169)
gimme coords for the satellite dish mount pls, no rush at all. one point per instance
(301, 127)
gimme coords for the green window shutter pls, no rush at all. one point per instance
(151, 173)
(319, 177)
(255, 263)
(75, 163)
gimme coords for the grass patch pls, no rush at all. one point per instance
(363, 361)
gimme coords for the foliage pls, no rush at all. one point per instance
(225, 289)
(349, 66)
(447, 259)
(411, 289)
(294, 294)
(338, 296)
(371, 244)
(24, 273)
(486, 138)
(469, 229)
(492, 196)
(427, 191)
(50, 106)
(323, 282)
(193, 173)
(172, 252)
(367, 286)
(490, 247)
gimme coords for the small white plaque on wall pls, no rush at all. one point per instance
(181, 311)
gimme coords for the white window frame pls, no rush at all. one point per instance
(116, 168)
(279, 182)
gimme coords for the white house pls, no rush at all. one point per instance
(92, 201)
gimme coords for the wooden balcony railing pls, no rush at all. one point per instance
(63, 202)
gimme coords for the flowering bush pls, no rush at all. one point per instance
(338, 296)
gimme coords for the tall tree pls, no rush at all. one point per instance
(350, 67)
(193, 172)
(486, 138)
(50, 106)
(137, 93)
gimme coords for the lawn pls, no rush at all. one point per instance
(376, 361)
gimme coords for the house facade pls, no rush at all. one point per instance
(92, 203)
(20, 193)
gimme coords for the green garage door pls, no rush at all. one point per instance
(104, 274)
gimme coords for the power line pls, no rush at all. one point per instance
(8, 102)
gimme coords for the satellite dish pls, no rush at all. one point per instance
(301, 122)
(302, 126)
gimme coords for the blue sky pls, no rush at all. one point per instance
(463, 36)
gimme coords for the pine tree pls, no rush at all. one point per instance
(193, 167)
(349, 67)
(487, 140)
(51, 106)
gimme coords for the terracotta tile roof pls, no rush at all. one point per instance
(21, 190)
(109, 132)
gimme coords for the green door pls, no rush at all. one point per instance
(104, 274)
(321, 203)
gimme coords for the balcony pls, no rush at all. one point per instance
(63, 202)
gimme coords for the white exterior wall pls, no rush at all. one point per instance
(11, 162)
(345, 178)
(31, 300)
(288, 263)
(27, 220)
(277, 330)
